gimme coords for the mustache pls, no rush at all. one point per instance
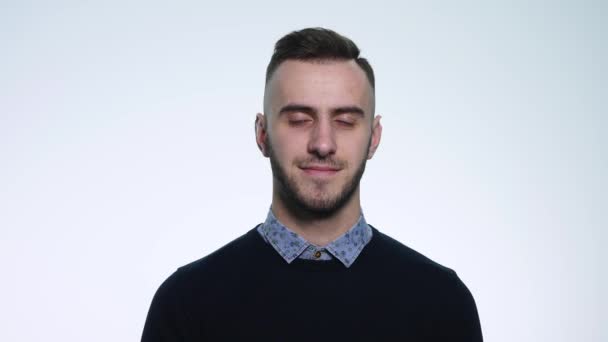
(331, 163)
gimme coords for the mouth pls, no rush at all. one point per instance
(320, 171)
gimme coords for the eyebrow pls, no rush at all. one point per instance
(294, 107)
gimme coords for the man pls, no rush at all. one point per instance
(315, 270)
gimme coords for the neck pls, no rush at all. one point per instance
(317, 229)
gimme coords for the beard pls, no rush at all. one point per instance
(291, 191)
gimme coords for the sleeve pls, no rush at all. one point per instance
(166, 320)
(453, 316)
(459, 319)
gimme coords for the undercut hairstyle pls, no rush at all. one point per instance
(319, 44)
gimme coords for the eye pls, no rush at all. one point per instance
(345, 123)
(298, 123)
(298, 119)
(346, 120)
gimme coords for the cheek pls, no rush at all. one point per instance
(353, 150)
(287, 148)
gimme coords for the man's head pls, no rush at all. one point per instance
(318, 126)
(317, 45)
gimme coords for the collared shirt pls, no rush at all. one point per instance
(290, 245)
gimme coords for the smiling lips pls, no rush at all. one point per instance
(320, 170)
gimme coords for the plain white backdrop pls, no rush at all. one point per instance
(127, 149)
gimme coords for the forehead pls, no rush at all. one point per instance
(319, 84)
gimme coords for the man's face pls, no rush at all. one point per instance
(318, 132)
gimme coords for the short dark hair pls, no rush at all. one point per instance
(317, 43)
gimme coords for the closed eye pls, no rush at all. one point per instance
(298, 122)
(345, 123)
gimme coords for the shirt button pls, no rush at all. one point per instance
(317, 254)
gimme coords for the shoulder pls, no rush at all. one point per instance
(396, 254)
(191, 287)
(209, 272)
(407, 265)
(444, 294)
(231, 255)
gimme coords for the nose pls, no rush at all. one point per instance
(322, 140)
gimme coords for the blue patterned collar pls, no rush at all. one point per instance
(290, 245)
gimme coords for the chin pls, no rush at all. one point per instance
(320, 203)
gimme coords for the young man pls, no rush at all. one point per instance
(315, 270)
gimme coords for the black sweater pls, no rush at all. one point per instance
(246, 291)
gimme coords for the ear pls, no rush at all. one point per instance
(376, 135)
(261, 134)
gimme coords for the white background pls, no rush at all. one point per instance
(127, 150)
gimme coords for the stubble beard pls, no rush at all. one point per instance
(292, 194)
